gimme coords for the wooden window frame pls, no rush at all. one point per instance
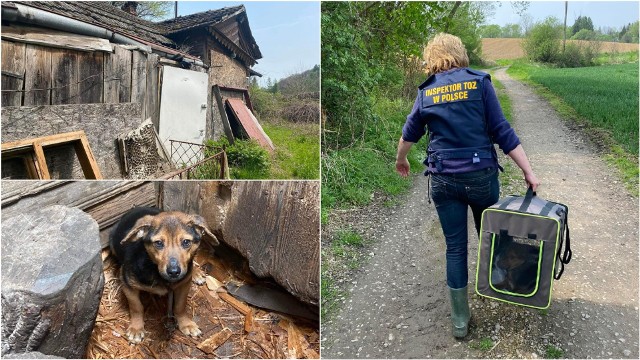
(32, 151)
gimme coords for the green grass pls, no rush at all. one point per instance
(484, 344)
(350, 176)
(552, 352)
(603, 99)
(297, 154)
(617, 58)
(511, 180)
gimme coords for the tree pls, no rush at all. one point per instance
(543, 42)
(490, 31)
(584, 34)
(150, 10)
(582, 22)
(511, 31)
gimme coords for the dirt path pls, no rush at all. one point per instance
(398, 306)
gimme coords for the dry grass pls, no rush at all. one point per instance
(258, 335)
(505, 48)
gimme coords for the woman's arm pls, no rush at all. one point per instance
(402, 164)
(520, 158)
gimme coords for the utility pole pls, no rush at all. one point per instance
(564, 41)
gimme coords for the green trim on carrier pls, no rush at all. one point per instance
(510, 231)
(535, 289)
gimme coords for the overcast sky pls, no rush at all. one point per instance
(288, 33)
(602, 13)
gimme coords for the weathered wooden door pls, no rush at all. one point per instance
(183, 110)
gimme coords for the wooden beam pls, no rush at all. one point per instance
(37, 145)
(223, 114)
(55, 39)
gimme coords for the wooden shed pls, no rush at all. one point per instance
(59, 57)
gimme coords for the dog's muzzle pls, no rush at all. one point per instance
(173, 270)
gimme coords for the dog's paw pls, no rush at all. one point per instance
(199, 279)
(135, 335)
(189, 328)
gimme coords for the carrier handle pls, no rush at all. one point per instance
(566, 256)
(527, 199)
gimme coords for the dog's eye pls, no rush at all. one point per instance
(186, 243)
(158, 244)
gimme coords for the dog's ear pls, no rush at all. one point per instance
(199, 225)
(139, 230)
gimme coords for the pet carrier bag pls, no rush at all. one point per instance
(519, 254)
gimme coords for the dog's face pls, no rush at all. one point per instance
(171, 240)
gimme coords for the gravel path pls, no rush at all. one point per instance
(398, 307)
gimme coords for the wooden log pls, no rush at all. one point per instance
(91, 77)
(37, 81)
(51, 289)
(281, 240)
(13, 62)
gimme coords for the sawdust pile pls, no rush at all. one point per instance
(230, 328)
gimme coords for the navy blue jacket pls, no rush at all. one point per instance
(462, 113)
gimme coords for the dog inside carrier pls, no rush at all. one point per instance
(519, 254)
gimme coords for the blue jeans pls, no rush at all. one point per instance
(452, 194)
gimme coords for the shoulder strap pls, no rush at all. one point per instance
(566, 256)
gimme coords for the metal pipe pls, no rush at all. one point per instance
(39, 17)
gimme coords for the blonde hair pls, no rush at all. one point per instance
(445, 52)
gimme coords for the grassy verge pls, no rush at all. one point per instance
(297, 154)
(602, 99)
(350, 178)
(511, 179)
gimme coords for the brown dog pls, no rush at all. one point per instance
(155, 251)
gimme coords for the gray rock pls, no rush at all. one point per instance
(31, 355)
(52, 281)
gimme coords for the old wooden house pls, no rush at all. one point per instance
(94, 68)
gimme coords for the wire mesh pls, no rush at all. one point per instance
(213, 167)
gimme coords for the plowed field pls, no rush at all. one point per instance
(509, 48)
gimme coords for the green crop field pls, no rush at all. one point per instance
(606, 96)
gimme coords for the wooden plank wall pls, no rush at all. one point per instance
(34, 75)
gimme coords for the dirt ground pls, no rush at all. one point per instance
(397, 305)
(505, 48)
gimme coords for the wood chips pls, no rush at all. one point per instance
(230, 328)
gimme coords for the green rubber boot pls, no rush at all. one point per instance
(460, 314)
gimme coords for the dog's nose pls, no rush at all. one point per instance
(173, 268)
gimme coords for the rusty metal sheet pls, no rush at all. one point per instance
(249, 123)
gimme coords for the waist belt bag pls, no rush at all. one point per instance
(519, 254)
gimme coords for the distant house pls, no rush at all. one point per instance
(64, 53)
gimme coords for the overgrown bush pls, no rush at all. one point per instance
(572, 56)
(247, 159)
(543, 42)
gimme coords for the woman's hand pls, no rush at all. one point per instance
(531, 180)
(402, 164)
(402, 167)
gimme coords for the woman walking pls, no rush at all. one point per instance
(460, 109)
